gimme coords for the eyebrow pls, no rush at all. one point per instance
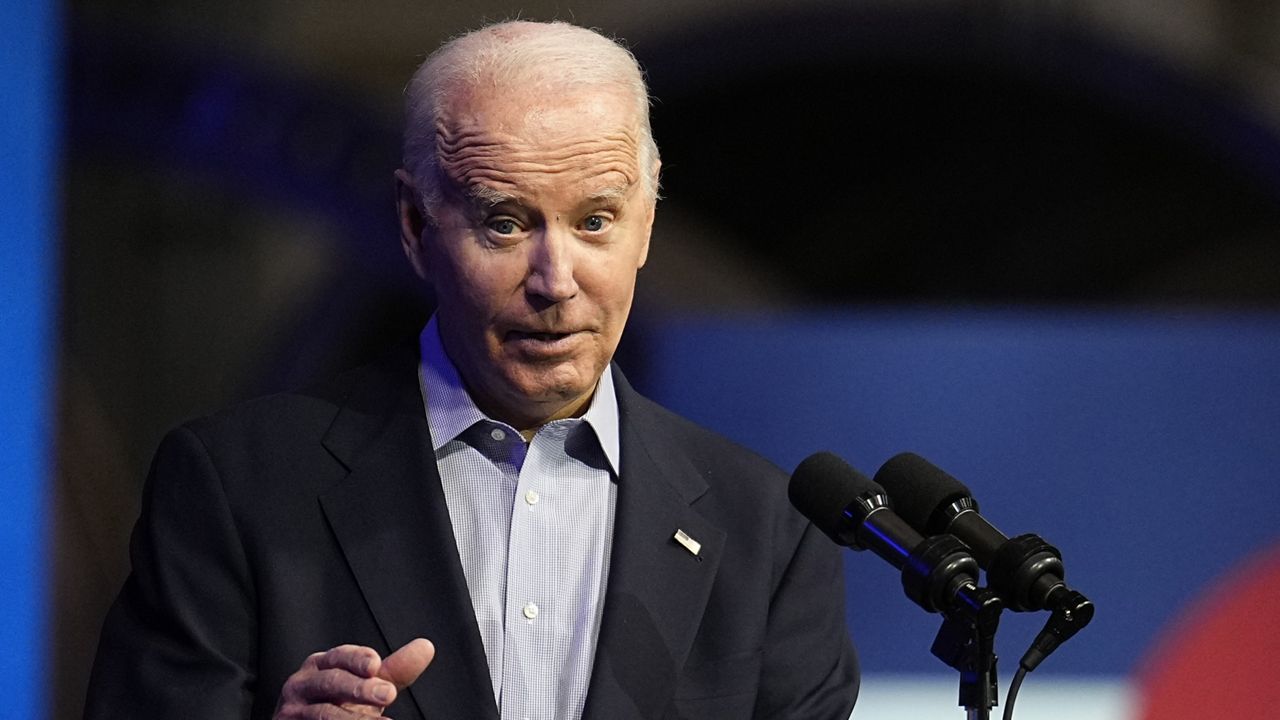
(613, 192)
(485, 197)
(488, 197)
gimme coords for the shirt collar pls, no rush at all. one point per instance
(451, 411)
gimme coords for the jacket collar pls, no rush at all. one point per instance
(658, 587)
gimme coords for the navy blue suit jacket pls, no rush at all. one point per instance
(306, 520)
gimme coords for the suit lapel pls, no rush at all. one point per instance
(390, 518)
(657, 587)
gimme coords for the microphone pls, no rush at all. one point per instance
(937, 572)
(1026, 571)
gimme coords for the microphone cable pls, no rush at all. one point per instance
(1012, 695)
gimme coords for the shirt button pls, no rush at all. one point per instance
(531, 497)
(531, 611)
(498, 434)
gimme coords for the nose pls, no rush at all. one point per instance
(551, 266)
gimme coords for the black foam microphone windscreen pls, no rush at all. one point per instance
(921, 491)
(823, 485)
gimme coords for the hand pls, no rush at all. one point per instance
(351, 682)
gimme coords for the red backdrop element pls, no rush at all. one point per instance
(1218, 659)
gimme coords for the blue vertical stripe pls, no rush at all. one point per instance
(28, 112)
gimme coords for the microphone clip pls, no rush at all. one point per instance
(966, 643)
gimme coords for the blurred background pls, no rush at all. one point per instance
(1037, 241)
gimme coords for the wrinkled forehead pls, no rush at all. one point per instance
(542, 110)
(496, 135)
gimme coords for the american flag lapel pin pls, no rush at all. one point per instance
(689, 543)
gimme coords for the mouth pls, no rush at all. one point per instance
(539, 336)
(545, 345)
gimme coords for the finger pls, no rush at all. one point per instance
(324, 711)
(364, 711)
(404, 666)
(339, 686)
(355, 659)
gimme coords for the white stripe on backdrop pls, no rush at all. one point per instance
(928, 697)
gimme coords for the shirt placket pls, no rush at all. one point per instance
(532, 601)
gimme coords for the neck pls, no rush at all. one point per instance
(529, 420)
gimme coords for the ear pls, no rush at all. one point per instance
(648, 232)
(413, 224)
(648, 221)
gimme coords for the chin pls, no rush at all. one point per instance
(555, 384)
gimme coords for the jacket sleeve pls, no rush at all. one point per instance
(179, 642)
(810, 669)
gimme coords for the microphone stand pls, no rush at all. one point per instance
(966, 642)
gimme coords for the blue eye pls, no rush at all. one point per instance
(503, 226)
(594, 223)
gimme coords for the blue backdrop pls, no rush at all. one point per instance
(1143, 444)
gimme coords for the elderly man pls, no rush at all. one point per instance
(491, 523)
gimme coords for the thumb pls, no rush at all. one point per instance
(403, 666)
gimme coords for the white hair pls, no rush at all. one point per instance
(516, 52)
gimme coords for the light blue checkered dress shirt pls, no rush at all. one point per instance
(534, 527)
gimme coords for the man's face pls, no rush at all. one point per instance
(543, 226)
